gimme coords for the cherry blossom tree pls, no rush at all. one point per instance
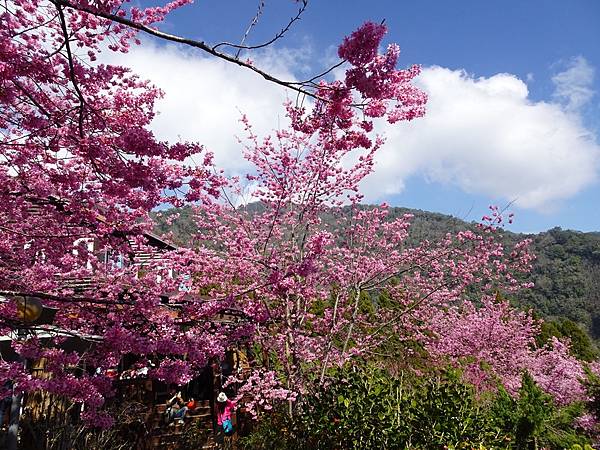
(80, 171)
(323, 281)
(307, 263)
(497, 343)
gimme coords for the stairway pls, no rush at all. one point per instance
(167, 437)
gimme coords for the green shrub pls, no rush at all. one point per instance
(367, 408)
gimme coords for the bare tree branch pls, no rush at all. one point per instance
(72, 77)
(201, 45)
(278, 36)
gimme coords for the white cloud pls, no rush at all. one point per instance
(573, 86)
(482, 134)
(206, 97)
(487, 137)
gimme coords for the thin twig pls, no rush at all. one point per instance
(186, 41)
(278, 36)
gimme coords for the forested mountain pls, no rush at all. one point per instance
(566, 272)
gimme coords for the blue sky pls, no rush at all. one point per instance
(532, 63)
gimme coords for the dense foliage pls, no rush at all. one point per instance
(368, 408)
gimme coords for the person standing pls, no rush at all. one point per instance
(225, 408)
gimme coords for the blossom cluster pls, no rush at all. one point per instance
(260, 392)
(496, 341)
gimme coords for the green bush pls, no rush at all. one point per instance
(367, 408)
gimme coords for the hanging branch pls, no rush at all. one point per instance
(297, 86)
(63, 26)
